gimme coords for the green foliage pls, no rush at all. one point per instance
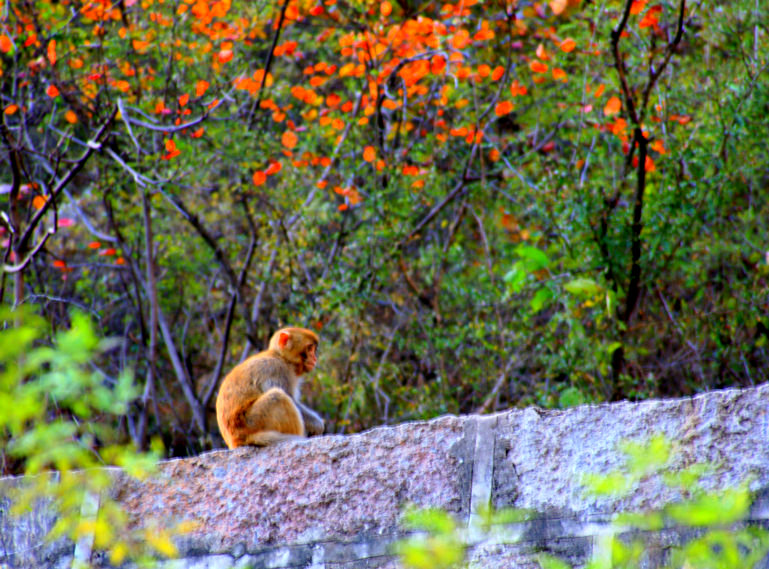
(439, 549)
(58, 412)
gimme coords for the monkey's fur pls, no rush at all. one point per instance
(258, 402)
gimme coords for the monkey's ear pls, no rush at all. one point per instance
(283, 339)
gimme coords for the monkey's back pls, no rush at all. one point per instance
(245, 384)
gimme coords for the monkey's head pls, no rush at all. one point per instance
(298, 347)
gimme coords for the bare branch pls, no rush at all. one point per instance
(93, 145)
(23, 265)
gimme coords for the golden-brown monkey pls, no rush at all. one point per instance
(258, 402)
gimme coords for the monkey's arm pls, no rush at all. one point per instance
(313, 423)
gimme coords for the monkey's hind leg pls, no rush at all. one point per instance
(272, 418)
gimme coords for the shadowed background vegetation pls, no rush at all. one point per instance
(476, 205)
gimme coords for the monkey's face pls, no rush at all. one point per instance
(309, 358)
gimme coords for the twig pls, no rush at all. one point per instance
(23, 265)
(268, 62)
(214, 380)
(93, 145)
(497, 386)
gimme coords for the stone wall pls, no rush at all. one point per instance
(336, 501)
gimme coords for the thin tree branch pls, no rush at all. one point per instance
(268, 62)
(93, 145)
(214, 380)
(197, 224)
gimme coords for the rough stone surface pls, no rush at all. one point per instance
(21, 543)
(544, 454)
(331, 488)
(336, 502)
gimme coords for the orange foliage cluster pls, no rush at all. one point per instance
(386, 64)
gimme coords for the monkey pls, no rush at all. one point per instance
(258, 401)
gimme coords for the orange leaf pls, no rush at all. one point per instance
(461, 39)
(649, 164)
(437, 64)
(10, 109)
(369, 154)
(568, 45)
(637, 6)
(261, 80)
(173, 152)
(52, 52)
(651, 18)
(503, 108)
(259, 178)
(658, 146)
(599, 91)
(517, 89)
(497, 74)
(201, 87)
(618, 127)
(273, 168)
(333, 100)
(385, 8)
(613, 106)
(52, 91)
(6, 44)
(184, 99)
(558, 6)
(289, 139)
(39, 201)
(483, 34)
